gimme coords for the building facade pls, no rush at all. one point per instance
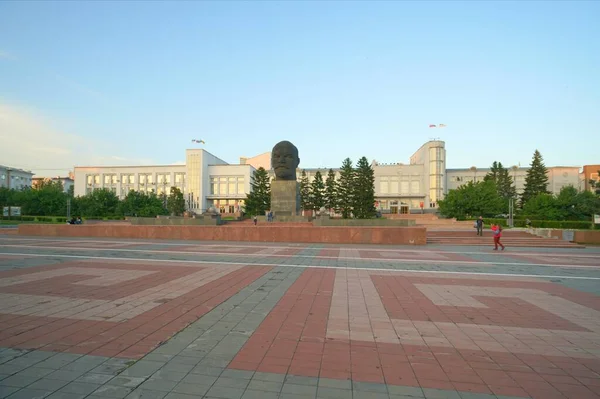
(67, 182)
(589, 172)
(15, 178)
(208, 181)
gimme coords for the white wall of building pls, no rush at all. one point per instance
(14, 178)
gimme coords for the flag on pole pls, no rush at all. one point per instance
(198, 141)
(441, 125)
(432, 126)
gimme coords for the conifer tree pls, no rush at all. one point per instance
(258, 201)
(503, 180)
(363, 198)
(331, 191)
(346, 188)
(305, 197)
(317, 191)
(536, 180)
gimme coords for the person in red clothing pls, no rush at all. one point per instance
(497, 229)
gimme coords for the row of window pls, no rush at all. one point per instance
(130, 178)
(227, 185)
(399, 187)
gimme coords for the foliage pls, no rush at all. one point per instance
(504, 182)
(258, 201)
(317, 191)
(536, 180)
(346, 188)
(331, 191)
(363, 195)
(141, 204)
(99, 202)
(176, 202)
(305, 194)
(569, 204)
(472, 199)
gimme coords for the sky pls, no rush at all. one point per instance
(132, 83)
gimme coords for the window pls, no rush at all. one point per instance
(240, 185)
(231, 185)
(415, 187)
(127, 179)
(179, 178)
(164, 178)
(214, 186)
(384, 185)
(404, 187)
(394, 185)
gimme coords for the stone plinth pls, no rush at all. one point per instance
(285, 198)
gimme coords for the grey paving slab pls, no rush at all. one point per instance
(268, 386)
(140, 393)
(369, 387)
(95, 378)
(176, 395)
(112, 391)
(58, 360)
(65, 375)
(191, 389)
(243, 374)
(27, 393)
(20, 381)
(6, 390)
(406, 391)
(337, 384)
(65, 395)
(225, 392)
(333, 393)
(47, 384)
(158, 385)
(126, 381)
(301, 380)
(440, 394)
(299, 389)
(203, 369)
(143, 368)
(80, 388)
(252, 394)
(369, 395)
(162, 374)
(473, 395)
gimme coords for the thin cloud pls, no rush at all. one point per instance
(7, 56)
(35, 142)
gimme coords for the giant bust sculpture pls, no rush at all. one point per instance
(284, 160)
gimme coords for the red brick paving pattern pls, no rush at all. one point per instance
(294, 339)
(131, 338)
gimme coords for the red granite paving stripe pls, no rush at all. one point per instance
(403, 300)
(331, 252)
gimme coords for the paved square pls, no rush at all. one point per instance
(91, 318)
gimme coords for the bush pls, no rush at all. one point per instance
(44, 219)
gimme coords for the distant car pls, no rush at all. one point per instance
(502, 215)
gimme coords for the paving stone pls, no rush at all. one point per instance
(35, 371)
(58, 361)
(300, 380)
(80, 388)
(125, 381)
(65, 395)
(369, 387)
(299, 389)
(369, 395)
(140, 393)
(65, 375)
(406, 391)
(46, 384)
(95, 378)
(252, 394)
(269, 386)
(168, 375)
(158, 357)
(473, 395)
(191, 389)
(27, 393)
(177, 395)
(242, 374)
(295, 396)
(333, 393)
(107, 368)
(199, 379)
(20, 381)
(440, 394)
(112, 391)
(232, 382)
(207, 370)
(332, 383)
(225, 392)
(6, 390)
(143, 369)
(158, 385)
(85, 363)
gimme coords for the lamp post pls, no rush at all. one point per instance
(8, 170)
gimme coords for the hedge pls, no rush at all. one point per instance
(549, 224)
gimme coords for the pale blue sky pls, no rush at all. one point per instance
(134, 82)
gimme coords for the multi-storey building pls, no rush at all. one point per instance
(15, 178)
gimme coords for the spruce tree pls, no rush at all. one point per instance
(317, 192)
(536, 180)
(331, 191)
(346, 188)
(305, 200)
(503, 180)
(363, 198)
(258, 201)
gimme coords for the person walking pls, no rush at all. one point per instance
(497, 229)
(479, 226)
(255, 220)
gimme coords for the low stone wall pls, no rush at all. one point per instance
(271, 233)
(175, 221)
(578, 236)
(379, 222)
(587, 237)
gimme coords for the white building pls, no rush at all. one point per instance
(207, 180)
(15, 178)
(67, 182)
(204, 180)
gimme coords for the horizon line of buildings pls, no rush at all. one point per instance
(208, 181)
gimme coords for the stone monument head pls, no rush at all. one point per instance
(285, 160)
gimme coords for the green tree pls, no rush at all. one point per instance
(317, 191)
(346, 188)
(141, 204)
(305, 195)
(331, 191)
(472, 200)
(176, 202)
(99, 203)
(543, 206)
(258, 201)
(363, 196)
(536, 180)
(503, 180)
(595, 184)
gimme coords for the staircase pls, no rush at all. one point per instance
(510, 238)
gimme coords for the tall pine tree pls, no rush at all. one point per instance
(536, 180)
(503, 180)
(331, 191)
(305, 200)
(258, 201)
(317, 191)
(345, 188)
(363, 198)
